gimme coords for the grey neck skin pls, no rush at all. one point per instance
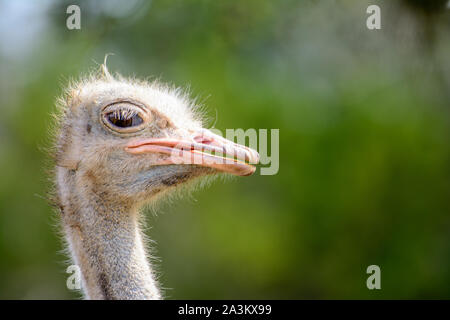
(106, 243)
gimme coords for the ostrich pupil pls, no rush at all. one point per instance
(124, 121)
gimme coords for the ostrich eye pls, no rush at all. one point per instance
(124, 121)
(124, 117)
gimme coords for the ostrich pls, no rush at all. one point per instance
(121, 144)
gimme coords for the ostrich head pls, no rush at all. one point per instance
(121, 143)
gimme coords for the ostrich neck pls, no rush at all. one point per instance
(106, 243)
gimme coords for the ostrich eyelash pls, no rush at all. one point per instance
(124, 113)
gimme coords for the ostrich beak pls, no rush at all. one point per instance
(203, 148)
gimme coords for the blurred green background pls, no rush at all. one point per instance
(364, 142)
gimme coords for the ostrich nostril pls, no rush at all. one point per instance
(202, 139)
